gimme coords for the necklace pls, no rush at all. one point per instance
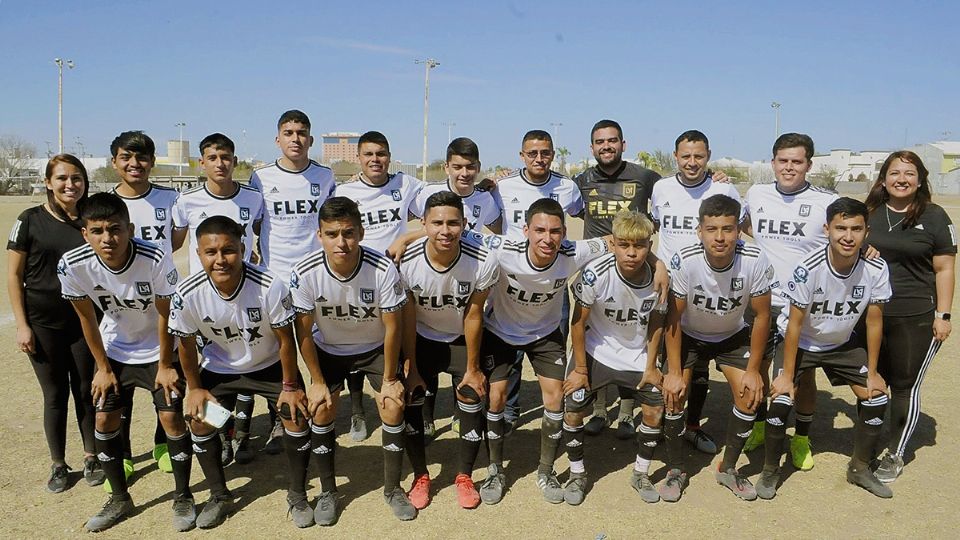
(886, 210)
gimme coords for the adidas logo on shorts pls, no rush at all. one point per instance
(321, 450)
(558, 361)
(182, 456)
(863, 369)
(392, 448)
(472, 436)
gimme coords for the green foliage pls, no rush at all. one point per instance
(826, 178)
(105, 175)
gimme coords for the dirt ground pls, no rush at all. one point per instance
(818, 503)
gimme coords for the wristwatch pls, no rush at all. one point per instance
(942, 315)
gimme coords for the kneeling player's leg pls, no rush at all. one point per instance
(740, 422)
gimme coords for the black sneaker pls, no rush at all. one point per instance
(215, 511)
(299, 509)
(864, 478)
(597, 424)
(275, 442)
(626, 429)
(242, 452)
(59, 478)
(116, 508)
(93, 471)
(226, 450)
(184, 514)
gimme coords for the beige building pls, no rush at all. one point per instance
(340, 146)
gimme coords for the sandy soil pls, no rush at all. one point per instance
(818, 503)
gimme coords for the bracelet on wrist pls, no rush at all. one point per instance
(291, 386)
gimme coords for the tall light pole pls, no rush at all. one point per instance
(180, 125)
(556, 131)
(80, 147)
(428, 64)
(776, 109)
(60, 63)
(450, 126)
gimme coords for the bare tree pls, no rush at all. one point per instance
(15, 155)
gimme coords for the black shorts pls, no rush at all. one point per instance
(845, 365)
(131, 376)
(266, 383)
(732, 351)
(600, 375)
(547, 355)
(435, 357)
(336, 368)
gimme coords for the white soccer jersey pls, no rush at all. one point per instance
(480, 208)
(676, 210)
(526, 303)
(517, 193)
(237, 331)
(197, 204)
(717, 297)
(616, 329)
(152, 215)
(441, 294)
(126, 297)
(384, 210)
(786, 227)
(347, 310)
(834, 302)
(292, 201)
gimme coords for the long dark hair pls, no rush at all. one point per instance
(52, 202)
(878, 195)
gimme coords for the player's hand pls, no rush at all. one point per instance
(318, 398)
(941, 329)
(475, 379)
(870, 253)
(751, 388)
(875, 385)
(104, 382)
(396, 250)
(782, 385)
(575, 380)
(169, 380)
(411, 381)
(296, 402)
(488, 184)
(719, 176)
(653, 377)
(25, 341)
(661, 282)
(194, 402)
(392, 389)
(674, 392)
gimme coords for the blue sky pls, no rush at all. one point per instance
(859, 75)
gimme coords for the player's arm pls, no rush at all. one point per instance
(578, 377)
(751, 384)
(496, 226)
(673, 387)
(412, 379)
(783, 382)
(318, 394)
(177, 237)
(104, 380)
(16, 266)
(473, 335)
(746, 226)
(651, 373)
(392, 387)
(944, 277)
(167, 377)
(399, 246)
(292, 396)
(875, 383)
(661, 277)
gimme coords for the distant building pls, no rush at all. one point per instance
(340, 146)
(942, 159)
(849, 166)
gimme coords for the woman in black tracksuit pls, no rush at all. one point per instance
(918, 241)
(48, 330)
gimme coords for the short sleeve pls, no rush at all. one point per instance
(416, 203)
(489, 272)
(255, 182)
(19, 239)
(70, 286)
(584, 289)
(165, 278)
(181, 321)
(392, 295)
(180, 218)
(881, 291)
(762, 276)
(798, 287)
(944, 234)
(575, 208)
(678, 277)
(301, 293)
(279, 304)
(588, 250)
(498, 204)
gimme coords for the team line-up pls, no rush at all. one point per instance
(861, 290)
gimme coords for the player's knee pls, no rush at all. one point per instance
(652, 416)
(107, 421)
(201, 429)
(172, 422)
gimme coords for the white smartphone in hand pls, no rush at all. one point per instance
(215, 415)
